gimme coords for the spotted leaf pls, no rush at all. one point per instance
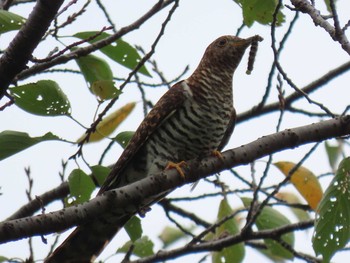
(332, 227)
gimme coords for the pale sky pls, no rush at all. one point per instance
(309, 54)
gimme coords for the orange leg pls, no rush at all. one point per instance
(218, 154)
(177, 166)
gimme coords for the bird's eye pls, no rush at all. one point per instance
(222, 42)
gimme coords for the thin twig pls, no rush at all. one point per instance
(273, 66)
(95, 46)
(69, 20)
(338, 30)
(335, 32)
(69, 47)
(282, 183)
(311, 87)
(280, 69)
(102, 7)
(168, 206)
(217, 245)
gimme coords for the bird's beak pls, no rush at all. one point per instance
(255, 38)
(246, 42)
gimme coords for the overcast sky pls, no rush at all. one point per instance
(309, 54)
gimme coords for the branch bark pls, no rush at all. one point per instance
(62, 190)
(219, 244)
(128, 199)
(319, 20)
(18, 53)
(41, 201)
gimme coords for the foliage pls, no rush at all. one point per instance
(259, 11)
(43, 98)
(230, 227)
(80, 187)
(10, 21)
(270, 218)
(332, 231)
(111, 63)
(109, 124)
(304, 181)
(120, 51)
(12, 142)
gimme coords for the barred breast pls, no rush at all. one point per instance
(193, 131)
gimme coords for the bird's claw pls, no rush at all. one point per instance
(177, 166)
(218, 154)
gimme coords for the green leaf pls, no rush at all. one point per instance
(270, 218)
(170, 235)
(333, 153)
(94, 68)
(143, 247)
(104, 89)
(123, 138)
(12, 142)
(233, 253)
(43, 98)
(4, 259)
(80, 186)
(100, 173)
(332, 227)
(10, 21)
(98, 74)
(260, 11)
(120, 51)
(133, 228)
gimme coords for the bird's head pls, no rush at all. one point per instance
(226, 52)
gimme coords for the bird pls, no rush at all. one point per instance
(193, 119)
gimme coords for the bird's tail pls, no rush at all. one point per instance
(86, 242)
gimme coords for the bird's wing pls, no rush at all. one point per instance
(88, 240)
(165, 107)
(229, 130)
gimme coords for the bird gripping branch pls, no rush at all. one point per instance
(191, 120)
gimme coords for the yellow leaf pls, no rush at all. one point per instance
(109, 123)
(304, 181)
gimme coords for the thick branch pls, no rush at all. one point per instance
(127, 199)
(41, 201)
(20, 50)
(33, 206)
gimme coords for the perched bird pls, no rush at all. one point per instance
(192, 119)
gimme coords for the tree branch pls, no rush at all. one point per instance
(127, 199)
(217, 245)
(168, 206)
(20, 50)
(97, 45)
(334, 32)
(41, 201)
(62, 190)
(316, 84)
